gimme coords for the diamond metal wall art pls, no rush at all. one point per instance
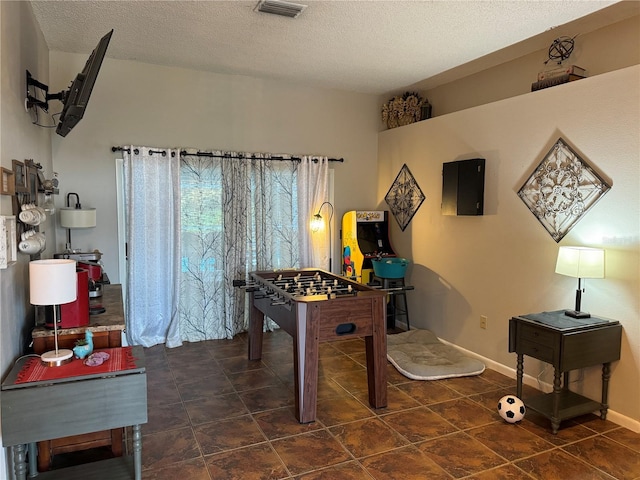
(404, 197)
(562, 189)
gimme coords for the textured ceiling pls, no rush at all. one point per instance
(363, 46)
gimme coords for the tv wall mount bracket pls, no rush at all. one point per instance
(32, 100)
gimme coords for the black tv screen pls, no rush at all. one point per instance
(77, 97)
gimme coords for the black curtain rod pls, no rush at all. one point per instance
(208, 154)
(136, 151)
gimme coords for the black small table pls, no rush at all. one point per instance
(568, 344)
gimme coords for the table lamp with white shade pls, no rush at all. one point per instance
(53, 282)
(580, 263)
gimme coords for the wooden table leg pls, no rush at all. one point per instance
(256, 326)
(33, 459)
(519, 373)
(306, 351)
(606, 375)
(18, 456)
(557, 392)
(116, 441)
(137, 452)
(376, 354)
(44, 455)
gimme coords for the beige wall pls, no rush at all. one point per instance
(601, 50)
(22, 47)
(502, 264)
(166, 107)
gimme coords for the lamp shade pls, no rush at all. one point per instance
(580, 262)
(316, 223)
(77, 217)
(52, 282)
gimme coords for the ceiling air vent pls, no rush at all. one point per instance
(277, 7)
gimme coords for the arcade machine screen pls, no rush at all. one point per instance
(373, 239)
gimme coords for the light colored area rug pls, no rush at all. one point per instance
(419, 355)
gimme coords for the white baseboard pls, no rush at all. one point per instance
(612, 415)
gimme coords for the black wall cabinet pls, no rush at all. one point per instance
(463, 187)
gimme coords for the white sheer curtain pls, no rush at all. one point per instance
(313, 190)
(197, 222)
(152, 199)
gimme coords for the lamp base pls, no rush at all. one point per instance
(576, 314)
(56, 359)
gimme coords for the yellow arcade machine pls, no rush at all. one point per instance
(365, 236)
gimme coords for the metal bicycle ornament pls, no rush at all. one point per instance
(562, 189)
(404, 197)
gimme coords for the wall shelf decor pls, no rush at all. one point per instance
(32, 179)
(405, 109)
(19, 176)
(404, 197)
(562, 189)
(7, 186)
(8, 251)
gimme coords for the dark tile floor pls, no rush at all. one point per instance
(215, 415)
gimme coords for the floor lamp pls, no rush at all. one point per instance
(316, 224)
(53, 282)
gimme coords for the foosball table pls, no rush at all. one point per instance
(315, 306)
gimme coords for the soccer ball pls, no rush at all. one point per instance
(511, 408)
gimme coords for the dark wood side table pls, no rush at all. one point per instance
(567, 344)
(107, 330)
(41, 410)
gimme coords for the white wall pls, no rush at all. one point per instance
(167, 107)
(502, 264)
(598, 51)
(22, 47)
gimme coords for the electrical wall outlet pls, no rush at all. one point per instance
(483, 321)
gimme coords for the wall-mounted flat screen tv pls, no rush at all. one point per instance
(76, 98)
